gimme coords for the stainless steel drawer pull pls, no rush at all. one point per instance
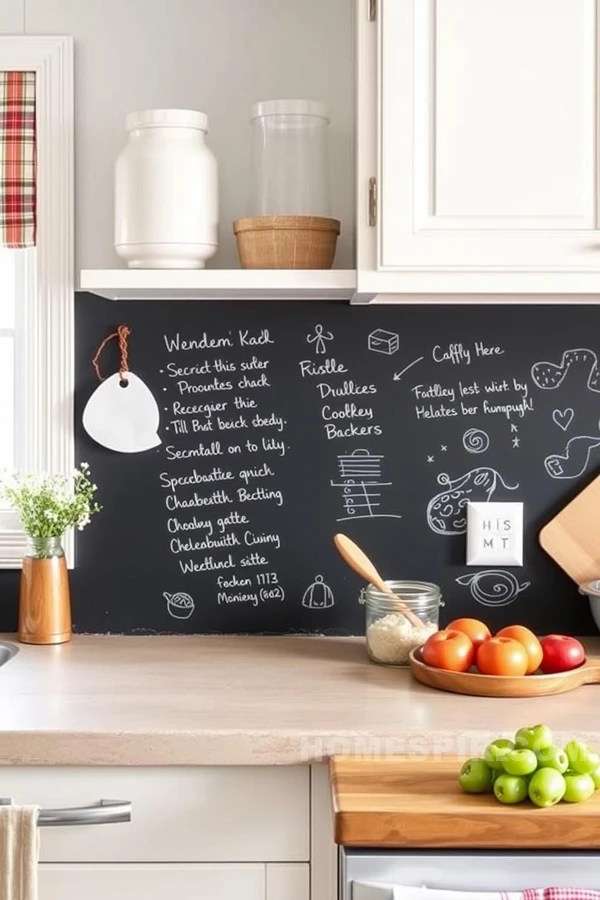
(106, 812)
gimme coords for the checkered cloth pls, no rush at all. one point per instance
(17, 159)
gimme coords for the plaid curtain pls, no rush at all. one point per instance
(17, 159)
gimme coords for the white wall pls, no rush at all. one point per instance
(214, 55)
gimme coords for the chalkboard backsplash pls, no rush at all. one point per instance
(282, 423)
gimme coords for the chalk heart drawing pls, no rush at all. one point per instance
(475, 440)
(318, 595)
(575, 459)
(548, 375)
(180, 605)
(446, 513)
(563, 417)
(494, 587)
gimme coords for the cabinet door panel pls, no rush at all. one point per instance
(487, 135)
(288, 881)
(151, 882)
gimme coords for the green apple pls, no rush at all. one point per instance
(596, 778)
(553, 757)
(510, 788)
(546, 787)
(534, 737)
(582, 758)
(475, 776)
(496, 750)
(580, 786)
(519, 762)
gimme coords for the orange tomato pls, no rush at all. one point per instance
(524, 636)
(473, 628)
(502, 656)
(452, 650)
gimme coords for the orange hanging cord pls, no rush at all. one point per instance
(122, 333)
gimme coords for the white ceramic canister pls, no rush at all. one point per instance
(166, 191)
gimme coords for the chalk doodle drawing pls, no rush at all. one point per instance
(398, 375)
(318, 595)
(361, 485)
(446, 513)
(494, 587)
(548, 376)
(563, 417)
(475, 440)
(382, 341)
(575, 459)
(318, 338)
(180, 605)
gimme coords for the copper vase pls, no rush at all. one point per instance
(44, 601)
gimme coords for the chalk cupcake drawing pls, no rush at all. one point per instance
(548, 376)
(494, 587)
(446, 513)
(180, 605)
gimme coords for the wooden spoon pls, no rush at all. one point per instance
(362, 565)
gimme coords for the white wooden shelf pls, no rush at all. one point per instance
(220, 284)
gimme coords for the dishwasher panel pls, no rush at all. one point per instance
(365, 875)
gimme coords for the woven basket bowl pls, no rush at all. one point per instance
(286, 242)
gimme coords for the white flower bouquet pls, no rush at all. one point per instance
(48, 505)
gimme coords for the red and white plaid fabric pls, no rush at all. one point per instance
(560, 893)
(17, 159)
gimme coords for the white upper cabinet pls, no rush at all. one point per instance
(479, 121)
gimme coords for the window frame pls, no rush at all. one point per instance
(45, 329)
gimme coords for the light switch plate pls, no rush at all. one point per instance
(495, 534)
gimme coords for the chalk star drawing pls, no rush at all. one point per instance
(444, 448)
(360, 481)
(430, 459)
(516, 442)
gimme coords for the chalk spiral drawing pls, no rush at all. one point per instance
(318, 595)
(548, 376)
(475, 440)
(318, 339)
(494, 587)
(180, 605)
(563, 417)
(446, 511)
(575, 459)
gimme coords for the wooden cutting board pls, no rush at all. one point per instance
(572, 538)
(399, 802)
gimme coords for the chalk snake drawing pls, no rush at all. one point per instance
(446, 512)
(494, 587)
(548, 376)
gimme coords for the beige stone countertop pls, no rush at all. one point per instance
(161, 700)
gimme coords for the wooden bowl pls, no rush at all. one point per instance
(286, 242)
(503, 685)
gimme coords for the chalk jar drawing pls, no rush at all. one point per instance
(446, 513)
(494, 587)
(318, 595)
(318, 338)
(180, 605)
(475, 440)
(548, 376)
(563, 417)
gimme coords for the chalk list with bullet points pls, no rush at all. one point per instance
(282, 423)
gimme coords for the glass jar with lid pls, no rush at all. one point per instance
(290, 159)
(390, 635)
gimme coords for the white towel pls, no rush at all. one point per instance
(18, 852)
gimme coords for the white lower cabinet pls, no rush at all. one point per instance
(135, 881)
(130, 881)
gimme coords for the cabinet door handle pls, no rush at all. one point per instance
(105, 812)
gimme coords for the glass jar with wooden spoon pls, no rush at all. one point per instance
(390, 634)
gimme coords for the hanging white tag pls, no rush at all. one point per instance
(123, 418)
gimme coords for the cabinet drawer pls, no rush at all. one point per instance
(224, 814)
(151, 882)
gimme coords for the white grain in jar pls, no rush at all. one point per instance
(390, 636)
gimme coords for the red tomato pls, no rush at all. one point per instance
(532, 645)
(561, 653)
(450, 650)
(473, 628)
(502, 656)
